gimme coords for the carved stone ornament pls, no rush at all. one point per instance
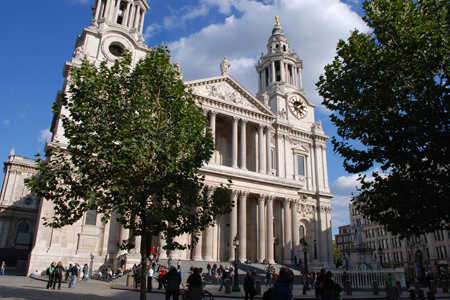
(265, 99)
(224, 66)
(319, 124)
(225, 92)
(282, 114)
(79, 53)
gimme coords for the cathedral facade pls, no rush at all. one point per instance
(269, 144)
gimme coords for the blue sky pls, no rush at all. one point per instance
(39, 37)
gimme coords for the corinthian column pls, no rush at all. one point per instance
(233, 224)
(209, 232)
(295, 229)
(243, 148)
(268, 151)
(262, 168)
(243, 226)
(234, 143)
(269, 203)
(212, 125)
(261, 230)
(287, 232)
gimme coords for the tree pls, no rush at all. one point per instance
(136, 140)
(388, 91)
(337, 255)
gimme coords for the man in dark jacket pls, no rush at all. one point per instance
(282, 288)
(172, 282)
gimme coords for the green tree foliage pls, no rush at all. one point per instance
(388, 91)
(337, 255)
(136, 140)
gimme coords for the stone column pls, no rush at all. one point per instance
(162, 243)
(126, 14)
(124, 234)
(137, 20)
(268, 151)
(212, 125)
(137, 244)
(262, 168)
(282, 71)
(108, 8)
(300, 77)
(243, 145)
(132, 17)
(295, 229)
(287, 232)
(197, 253)
(274, 76)
(269, 226)
(116, 12)
(325, 172)
(234, 143)
(261, 230)
(97, 10)
(243, 226)
(280, 151)
(233, 224)
(141, 25)
(209, 234)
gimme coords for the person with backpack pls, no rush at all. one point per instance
(249, 286)
(2, 268)
(59, 271)
(51, 275)
(172, 280)
(282, 288)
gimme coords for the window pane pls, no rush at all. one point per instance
(91, 217)
(301, 165)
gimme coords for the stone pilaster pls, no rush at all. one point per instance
(287, 231)
(243, 145)
(233, 223)
(243, 226)
(270, 254)
(261, 230)
(234, 143)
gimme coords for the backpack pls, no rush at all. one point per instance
(47, 271)
(267, 294)
(58, 272)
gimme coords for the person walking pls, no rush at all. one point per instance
(225, 275)
(59, 271)
(51, 275)
(2, 269)
(249, 286)
(328, 286)
(172, 282)
(282, 288)
(73, 276)
(85, 272)
(319, 283)
(149, 278)
(195, 285)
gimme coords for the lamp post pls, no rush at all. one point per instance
(236, 282)
(380, 254)
(315, 249)
(305, 253)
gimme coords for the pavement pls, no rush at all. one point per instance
(24, 288)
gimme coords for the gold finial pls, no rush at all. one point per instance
(277, 20)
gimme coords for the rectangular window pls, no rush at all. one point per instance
(91, 218)
(301, 165)
(339, 240)
(340, 247)
(345, 238)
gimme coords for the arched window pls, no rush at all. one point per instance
(302, 234)
(23, 236)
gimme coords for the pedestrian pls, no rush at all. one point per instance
(149, 279)
(179, 264)
(345, 278)
(195, 285)
(407, 281)
(305, 280)
(68, 272)
(428, 278)
(172, 282)
(267, 280)
(320, 284)
(282, 288)
(59, 271)
(162, 273)
(389, 281)
(51, 274)
(208, 267)
(108, 273)
(225, 275)
(328, 286)
(85, 272)
(2, 269)
(249, 286)
(73, 276)
(122, 263)
(169, 263)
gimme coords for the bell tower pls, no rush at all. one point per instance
(116, 25)
(280, 81)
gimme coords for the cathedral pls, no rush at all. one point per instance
(269, 144)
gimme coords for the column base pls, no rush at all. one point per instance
(197, 258)
(208, 258)
(287, 262)
(272, 261)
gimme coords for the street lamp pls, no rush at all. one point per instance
(236, 282)
(315, 249)
(305, 253)
(380, 254)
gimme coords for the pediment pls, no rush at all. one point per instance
(227, 90)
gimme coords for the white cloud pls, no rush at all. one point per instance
(6, 122)
(312, 27)
(44, 135)
(187, 13)
(151, 30)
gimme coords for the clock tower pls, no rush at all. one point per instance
(280, 82)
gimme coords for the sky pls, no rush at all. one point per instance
(40, 36)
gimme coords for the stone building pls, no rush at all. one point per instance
(417, 255)
(343, 239)
(269, 145)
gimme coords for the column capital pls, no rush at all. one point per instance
(212, 112)
(261, 198)
(234, 193)
(268, 128)
(235, 119)
(243, 194)
(286, 202)
(270, 199)
(243, 121)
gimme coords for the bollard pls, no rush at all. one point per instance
(129, 280)
(348, 288)
(430, 295)
(258, 287)
(227, 286)
(444, 286)
(399, 286)
(433, 286)
(420, 295)
(412, 294)
(375, 288)
(417, 286)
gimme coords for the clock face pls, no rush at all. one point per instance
(298, 107)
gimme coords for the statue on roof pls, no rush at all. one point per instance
(277, 21)
(224, 66)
